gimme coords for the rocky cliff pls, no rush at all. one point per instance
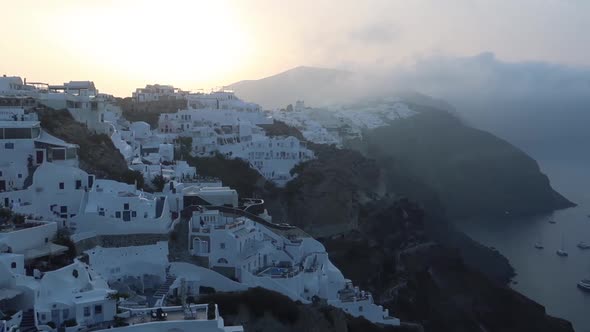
(472, 172)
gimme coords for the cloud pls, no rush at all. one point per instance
(375, 33)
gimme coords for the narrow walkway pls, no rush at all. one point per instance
(28, 322)
(163, 290)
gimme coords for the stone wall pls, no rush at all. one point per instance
(116, 241)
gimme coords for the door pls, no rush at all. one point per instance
(55, 317)
(39, 156)
(126, 215)
(3, 186)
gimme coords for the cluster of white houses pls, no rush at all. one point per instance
(337, 124)
(231, 243)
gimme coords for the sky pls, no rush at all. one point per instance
(196, 44)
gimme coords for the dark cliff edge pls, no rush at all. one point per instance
(474, 173)
(424, 282)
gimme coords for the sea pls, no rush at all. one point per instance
(542, 275)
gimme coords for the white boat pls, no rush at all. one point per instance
(583, 245)
(584, 284)
(538, 245)
(561, 251)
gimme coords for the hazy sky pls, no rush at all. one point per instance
(124, 44)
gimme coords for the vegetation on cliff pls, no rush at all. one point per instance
(97, 154)
(148, 111)
(259, 309)
(279, 128)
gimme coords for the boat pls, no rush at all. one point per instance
(583, 245)
(538, 245)
(561, 252)
(584, 284)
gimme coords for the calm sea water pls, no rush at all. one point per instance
(541, 274)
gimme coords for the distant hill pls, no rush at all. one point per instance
(317, 86)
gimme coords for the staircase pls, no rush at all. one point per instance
(161, 293)
(28, 322)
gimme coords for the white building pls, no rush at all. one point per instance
(235, 134)
(24, 146)
(31, 240)
(221, 100)
(157, 92)
(73, 293)
(277, 257)
(117, 208)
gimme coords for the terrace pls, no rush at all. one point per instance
(133, 316)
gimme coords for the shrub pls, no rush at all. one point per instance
(258, 301)
(5, 213)
(159, 182)
(70, 322)
(119, 322)
(18, 219)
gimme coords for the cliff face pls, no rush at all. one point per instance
(258, 309)
(423, 282)
(474, 173)
(324, 198)
(97, 154)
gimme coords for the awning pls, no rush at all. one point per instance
(45, 250)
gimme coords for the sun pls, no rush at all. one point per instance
(183, 41)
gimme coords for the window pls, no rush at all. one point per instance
(126, 206)
(86, 311)
(61, 185)
(222, 245)
(98, 309)
(13, 265)
(20, 176)
(17, 133)
(75, 273)
(0, 173)
(133, 214)
(118, 215)
(58, 153)
(66, 313)
(43, 317)
(9, 145)
(78, 184)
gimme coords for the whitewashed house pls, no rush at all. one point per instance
(117, 208)
(277, 257)
(73, 293)
(32, 240)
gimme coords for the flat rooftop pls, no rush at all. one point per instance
(19, 124)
